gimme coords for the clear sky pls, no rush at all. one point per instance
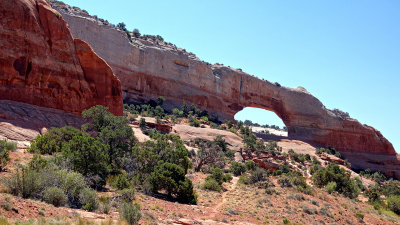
(346, 53)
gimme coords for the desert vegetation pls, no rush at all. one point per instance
(5, 148)
(74, 168)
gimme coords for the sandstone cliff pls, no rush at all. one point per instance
(148, 69)
(41, 63)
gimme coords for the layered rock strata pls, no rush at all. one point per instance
(21, 122)
(151, 68)
(42, 64)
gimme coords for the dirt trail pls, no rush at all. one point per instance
(224, 200)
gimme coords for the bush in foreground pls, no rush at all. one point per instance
(55, 196)
(171, 178)
(130, 212)
(211, 184)
(88, 199)
(51, 184)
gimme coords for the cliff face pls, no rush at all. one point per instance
(148, 69)
(41, 63)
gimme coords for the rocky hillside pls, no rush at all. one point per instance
(237, 178)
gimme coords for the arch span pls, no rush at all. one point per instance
(262, 117)
(148, 70)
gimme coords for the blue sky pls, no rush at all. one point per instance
(346, 53)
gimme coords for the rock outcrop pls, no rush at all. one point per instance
(41, 63)
(151, 68)
(21, 122)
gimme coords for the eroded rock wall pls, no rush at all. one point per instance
(148, 69)
(41, 63)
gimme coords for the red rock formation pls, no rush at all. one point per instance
(266, 165)
(150, 69)
(41, 63)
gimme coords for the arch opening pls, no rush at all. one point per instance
(262, 121)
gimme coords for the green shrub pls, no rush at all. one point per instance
(360, 216)
(285, 181)
(277, 173)
(105, 207)
(171, 178)
(186, 193)
(10, 146)
(330, 151)
(193, 121)
(237, 168)
(87, 198)
(7, 204)
(51, 142)
(391, 187)
(205, 118)
(113, 131)
(250, 165)
(5, 148)
(393, 203)
(333, 173)
(51, 184)
(130, 212)
(142, 122)
(37, 163)
(284, 168)
(72, 184)
(24, 183)
(120, 182)
(127, 194)
(258, 175)
(285, 220)
(308, 210)
(218, 175)
(244, 179)
(211, 184)
(373, 196)
(88, 157)
(331, 187)
(41, 212)
(227, 177)
(165, 147)
(230, 154)
(297, 179)
(55, 196)
(210, 154)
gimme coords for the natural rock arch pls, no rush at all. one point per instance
(149, 69)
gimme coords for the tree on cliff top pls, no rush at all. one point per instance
(121, 26)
